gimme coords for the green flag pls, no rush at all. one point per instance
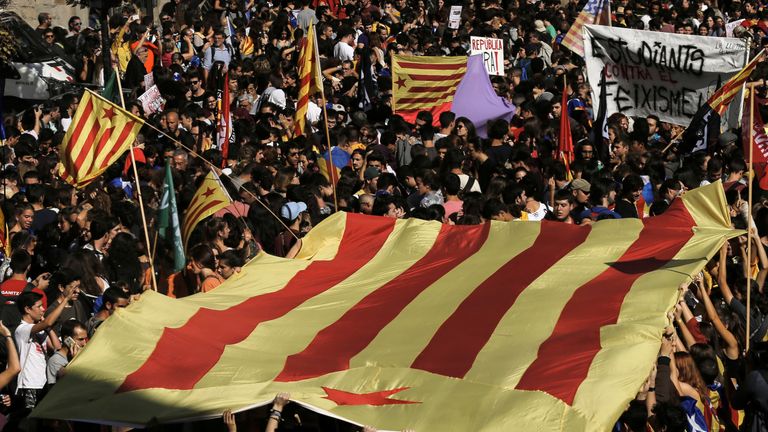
(168, 218)
(110, 88)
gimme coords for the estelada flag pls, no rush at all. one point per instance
(209, 198)
(535, 326)
(425, 83)
(99, 134)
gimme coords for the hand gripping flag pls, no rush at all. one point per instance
(209, 198)
(424, 83)
(411, 324)
(100, 133)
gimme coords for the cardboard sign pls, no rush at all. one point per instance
(149, 80)
(152, 101)
(454, 19)
(492, 51)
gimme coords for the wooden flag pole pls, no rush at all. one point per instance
(138, 190)
(316, 54)
(332, 171)
(749, 209)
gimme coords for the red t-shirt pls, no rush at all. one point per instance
(12, 288)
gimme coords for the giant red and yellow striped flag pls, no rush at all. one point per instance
(594, 12)
(422, 83)
(100, 133)
(412, 324)
(310, 80)
(209, 198)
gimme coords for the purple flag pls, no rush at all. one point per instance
(476, 100)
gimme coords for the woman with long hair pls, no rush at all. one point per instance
(203, 264)
(694, 395)
(216, 232)
(93, 280)
(465, 130)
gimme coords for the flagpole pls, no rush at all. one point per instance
(138, 190)
(749, 208)
(120, 85)
(332, 172)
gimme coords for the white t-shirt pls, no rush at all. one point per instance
(343, 51)
(539, 213)
(32, 356)
(464, 179)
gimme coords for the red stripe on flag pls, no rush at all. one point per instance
(103, 140)
(127, 130)
(419, 77)
(331, 168)
(409, 114)
(333, 347)
(434, 89)
(192, 217)
(564, 359)
(86, 148)
(180, 348)
(472, 324)
(422, 100)
(81, 121)
(431, 66)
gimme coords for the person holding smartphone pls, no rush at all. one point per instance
(74, 336)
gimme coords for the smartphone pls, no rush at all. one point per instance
(69, 342)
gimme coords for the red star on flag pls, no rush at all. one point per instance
(400, 82)
(208, 192)
(109, 113)
(378, 398)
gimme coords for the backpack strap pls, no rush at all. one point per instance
(468, 186)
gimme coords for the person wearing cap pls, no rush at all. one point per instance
(291, 213)
(580, 189)
(370, 183)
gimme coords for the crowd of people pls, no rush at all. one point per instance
(76, 255)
